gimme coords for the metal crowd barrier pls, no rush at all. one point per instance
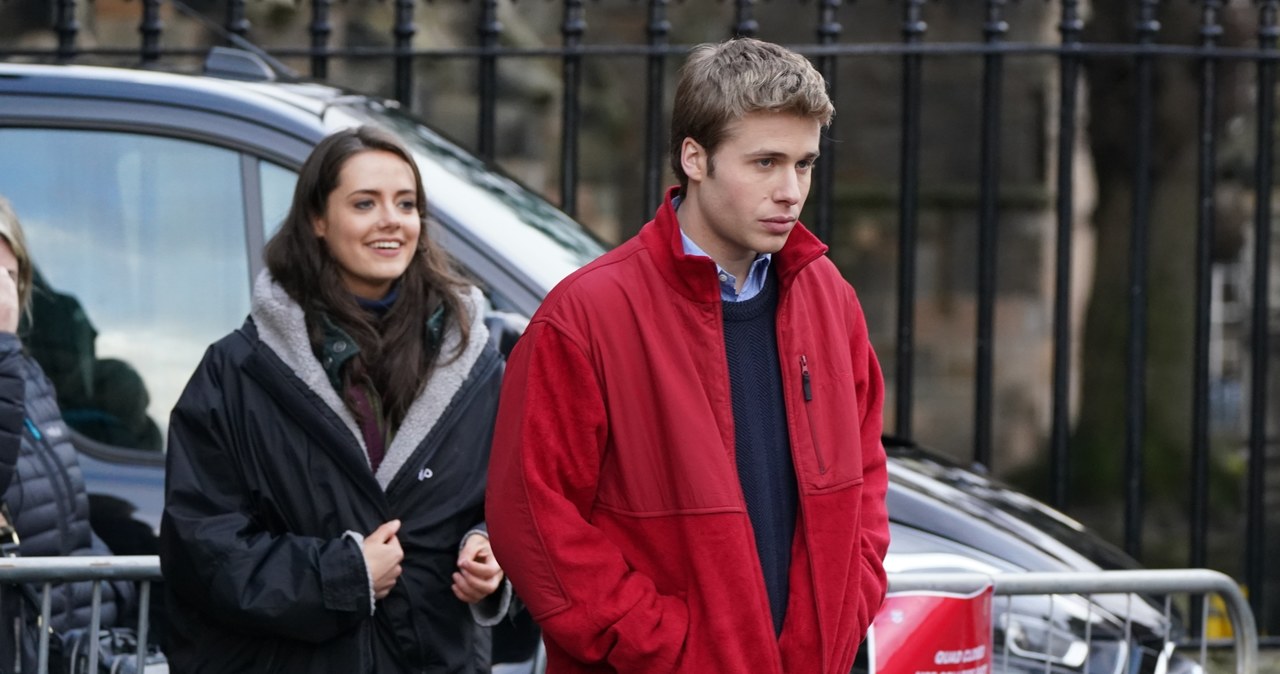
(146, 570)
(1166, 582)
(47, 571)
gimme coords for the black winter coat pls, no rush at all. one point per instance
(267, 472)
(41, 482)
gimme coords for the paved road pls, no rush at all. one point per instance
(1223, 662)
(1269, 661)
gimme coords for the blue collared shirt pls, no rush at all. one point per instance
(728, 283)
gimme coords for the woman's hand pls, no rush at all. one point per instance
(478, 574)
(10, 312)
(382, 556)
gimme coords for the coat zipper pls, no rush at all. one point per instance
(63, 493)
(808, 408)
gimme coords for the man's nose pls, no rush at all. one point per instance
(788, 189)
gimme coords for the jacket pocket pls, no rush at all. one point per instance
(806, 385)
(830, 406)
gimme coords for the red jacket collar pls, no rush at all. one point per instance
(695, 277)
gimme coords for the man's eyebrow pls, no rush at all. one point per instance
(761, 153)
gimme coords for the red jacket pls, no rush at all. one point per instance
(613, 500)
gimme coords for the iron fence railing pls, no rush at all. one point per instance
(43, 572)
(1164, 583)
(1145, 49)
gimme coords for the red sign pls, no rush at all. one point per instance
(932, 633)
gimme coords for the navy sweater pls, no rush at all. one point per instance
(760, 435)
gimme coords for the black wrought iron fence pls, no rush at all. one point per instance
(1145, 48)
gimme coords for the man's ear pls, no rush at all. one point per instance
(693, 159)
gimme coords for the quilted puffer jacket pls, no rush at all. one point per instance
(41, 482)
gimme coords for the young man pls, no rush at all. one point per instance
(687, 473)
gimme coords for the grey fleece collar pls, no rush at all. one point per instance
(282, 327)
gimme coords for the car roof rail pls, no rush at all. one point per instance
(237, 64)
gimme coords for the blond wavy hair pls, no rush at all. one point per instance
(723, 82)
(11, 232)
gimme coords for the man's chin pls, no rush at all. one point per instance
(772, 243)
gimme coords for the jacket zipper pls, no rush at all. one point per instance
(808, 409)
(63, 493)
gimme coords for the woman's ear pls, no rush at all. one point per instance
(318, 226)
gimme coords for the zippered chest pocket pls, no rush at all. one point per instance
(832, 457)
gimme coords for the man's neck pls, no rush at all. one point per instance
(693, 227)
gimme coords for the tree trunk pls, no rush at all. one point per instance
(1098, 444)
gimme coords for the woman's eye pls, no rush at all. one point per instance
(364, 205)
(409, 205)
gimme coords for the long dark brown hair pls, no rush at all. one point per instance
(395, 357)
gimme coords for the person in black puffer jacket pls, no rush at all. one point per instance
(40, 478)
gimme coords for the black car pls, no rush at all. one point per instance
(147, 197)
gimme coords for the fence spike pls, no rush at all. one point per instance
(67, 28)
(320, 29)
(150, 29)
(744, 22)
(237, 22)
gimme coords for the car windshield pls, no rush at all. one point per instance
(508, 218)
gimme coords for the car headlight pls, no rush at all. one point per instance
(1037, 639)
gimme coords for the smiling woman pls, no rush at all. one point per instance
(329, 457)
(371, 222)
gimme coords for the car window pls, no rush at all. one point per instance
(277, 195)
(139, 246)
